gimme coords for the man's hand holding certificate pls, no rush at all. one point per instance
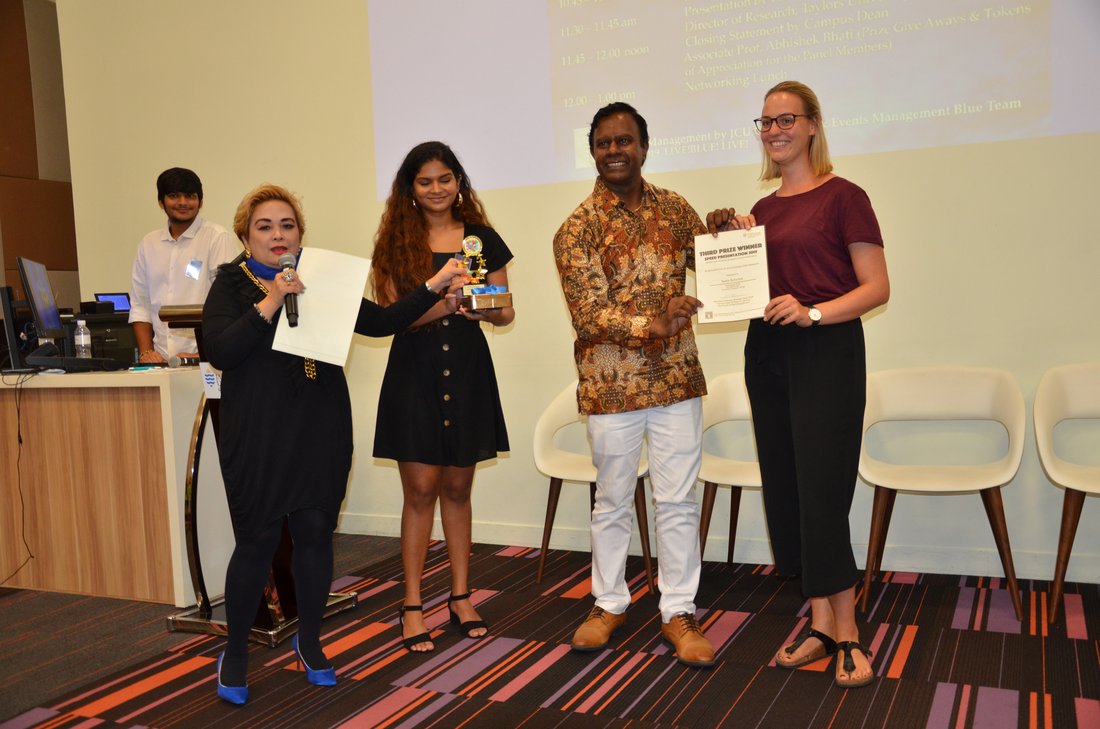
(731, 275)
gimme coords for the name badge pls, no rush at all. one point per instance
(194, 268)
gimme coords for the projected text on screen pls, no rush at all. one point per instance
(525, 77)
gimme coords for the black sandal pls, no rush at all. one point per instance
(828, 644)
(424, 637)
(469, 625)
(845, 662)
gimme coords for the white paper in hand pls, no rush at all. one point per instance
(731, 275)
(327, 309)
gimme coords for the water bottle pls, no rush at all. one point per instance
(82, 339)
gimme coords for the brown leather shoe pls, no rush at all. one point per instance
(597, 629)
(692, 647)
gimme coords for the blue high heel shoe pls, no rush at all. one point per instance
(322, 677)
(233, 694)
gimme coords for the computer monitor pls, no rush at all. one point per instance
(11, 361)
(121, 301)
(36, 284)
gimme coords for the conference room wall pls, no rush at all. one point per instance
(992, 250)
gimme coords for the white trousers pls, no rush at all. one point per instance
(675, 436)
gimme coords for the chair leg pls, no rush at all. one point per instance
(735, 509)
(643, 532)
(551, 511)
(1071, 516)
(995, 510)
(880, 524)
(710, 489)
(891, 497)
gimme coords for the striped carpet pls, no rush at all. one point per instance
(948, 653)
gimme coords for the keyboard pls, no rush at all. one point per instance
(45, 356)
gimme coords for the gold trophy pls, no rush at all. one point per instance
(477, 294)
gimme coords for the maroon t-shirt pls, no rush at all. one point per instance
(808, 237)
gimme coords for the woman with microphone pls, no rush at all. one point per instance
(286, 431)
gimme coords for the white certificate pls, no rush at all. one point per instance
(731, 275)
(328, 309)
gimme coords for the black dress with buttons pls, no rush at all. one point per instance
(439, 402)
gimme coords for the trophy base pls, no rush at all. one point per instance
(476, 302)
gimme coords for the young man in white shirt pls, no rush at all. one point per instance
(175, 265)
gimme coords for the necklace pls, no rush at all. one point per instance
(308, 364)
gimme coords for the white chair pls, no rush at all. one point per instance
(563, 465)
(943, 394)
(726, 401)
(1065, 393)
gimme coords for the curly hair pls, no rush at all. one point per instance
(402, 259)
(265, 193)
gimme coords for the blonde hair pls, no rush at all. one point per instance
(819, 148)
(265, 193)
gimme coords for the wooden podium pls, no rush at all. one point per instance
(277, 617)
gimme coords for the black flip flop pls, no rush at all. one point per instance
(828, 644)
(844, 653)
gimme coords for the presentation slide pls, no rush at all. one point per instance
(514, 83)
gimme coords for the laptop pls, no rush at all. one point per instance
(121, 301)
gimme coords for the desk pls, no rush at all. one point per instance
(102, 478)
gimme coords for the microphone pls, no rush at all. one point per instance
(176, 361)
(290, 303)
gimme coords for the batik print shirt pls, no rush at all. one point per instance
(618, 270)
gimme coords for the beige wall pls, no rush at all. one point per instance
(993, 249)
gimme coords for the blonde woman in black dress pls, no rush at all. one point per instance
(285, 434)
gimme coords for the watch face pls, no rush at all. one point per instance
(815, 314)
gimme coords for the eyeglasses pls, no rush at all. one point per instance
(783, 121)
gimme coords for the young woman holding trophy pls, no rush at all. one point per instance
(439, 411)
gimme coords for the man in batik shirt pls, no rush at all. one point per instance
(622, 257)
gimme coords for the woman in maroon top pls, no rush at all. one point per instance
(805, 368)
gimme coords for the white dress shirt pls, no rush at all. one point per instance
(171, 271)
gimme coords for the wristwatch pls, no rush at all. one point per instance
(815, 316)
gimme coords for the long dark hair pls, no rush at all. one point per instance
(401, 256)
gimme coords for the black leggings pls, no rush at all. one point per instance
(808, 388)
(249, 567)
